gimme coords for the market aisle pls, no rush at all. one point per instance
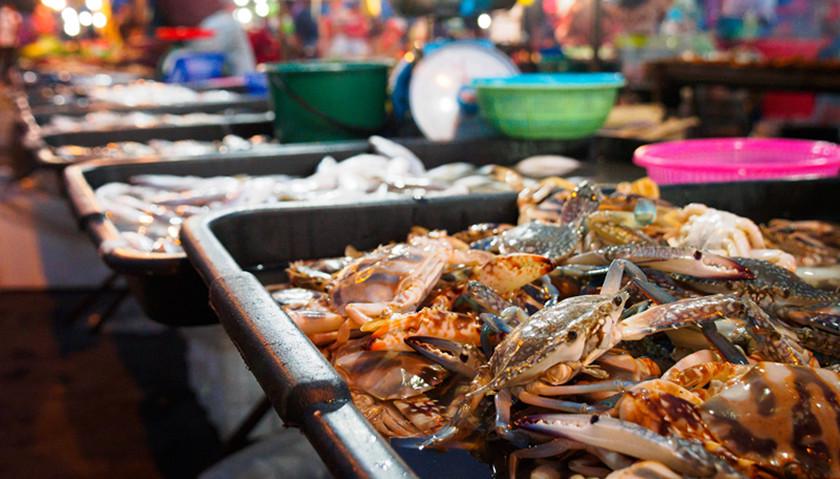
(116, 405)
(42, 248)
(49, 250)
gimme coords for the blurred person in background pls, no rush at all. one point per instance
(740, 19)
(306, 28)
(347, 30)
(217, 15)
(574, 19)
(265, 44)
(131, 17)
(10, 24)
(229, 37)
(641, 17)
(827, 108)
(391, 42)
(43, 21)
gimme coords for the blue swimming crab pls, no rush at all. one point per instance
(554, 240)
(544, 351)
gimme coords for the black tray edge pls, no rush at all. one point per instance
(303, 387)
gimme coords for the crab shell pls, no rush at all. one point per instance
(575, 330)
(400, 274)
(786, 418)
(410, 417)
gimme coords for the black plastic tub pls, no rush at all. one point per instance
(165, 284)
(245, 125)
(238, 251)
(44, 113)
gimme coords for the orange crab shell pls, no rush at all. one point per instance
(390, 334)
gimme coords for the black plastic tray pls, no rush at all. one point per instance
(44, 113)
(166, 284)
(245, 125)
(232, 249)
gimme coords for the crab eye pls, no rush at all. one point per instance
(572, 335)
(698, 255)
(617, 301)
(464, 357)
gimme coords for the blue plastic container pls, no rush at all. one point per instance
(192, 66)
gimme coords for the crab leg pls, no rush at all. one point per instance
(313, 322)
(551, 290)
(557, 404)
(551, 448)
(503, 402)
(774, 341)
(617, 385)
(588, 466)
(620, 267)
(505, 322)
(683, 456)
(728, 350)
(486, 343)
(819, 331)
(481, 299)
(687, 261)
(501, 324)
(644, 469)
(637, 308)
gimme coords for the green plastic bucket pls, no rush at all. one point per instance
(327, 101)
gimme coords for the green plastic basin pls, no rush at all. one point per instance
(548, 106)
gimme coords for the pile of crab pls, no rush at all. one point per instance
(604, 335)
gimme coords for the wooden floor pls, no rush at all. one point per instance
(113, 405)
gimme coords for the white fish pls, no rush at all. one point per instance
(393, 150)
(542, 166)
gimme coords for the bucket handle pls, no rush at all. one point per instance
(352, 129)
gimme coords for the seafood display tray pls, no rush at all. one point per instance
(166, 285)
(238, 251)
(43, 114)
(241, 124)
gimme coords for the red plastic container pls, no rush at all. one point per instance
(180, 34)
(790, 48)
(737, 159)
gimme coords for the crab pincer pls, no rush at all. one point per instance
(685, 456)
(460, 358)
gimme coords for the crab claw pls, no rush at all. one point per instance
(686, 261)
(681, 455)
(510, 272)
(460, 358)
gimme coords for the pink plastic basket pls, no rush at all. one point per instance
(737, 159)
